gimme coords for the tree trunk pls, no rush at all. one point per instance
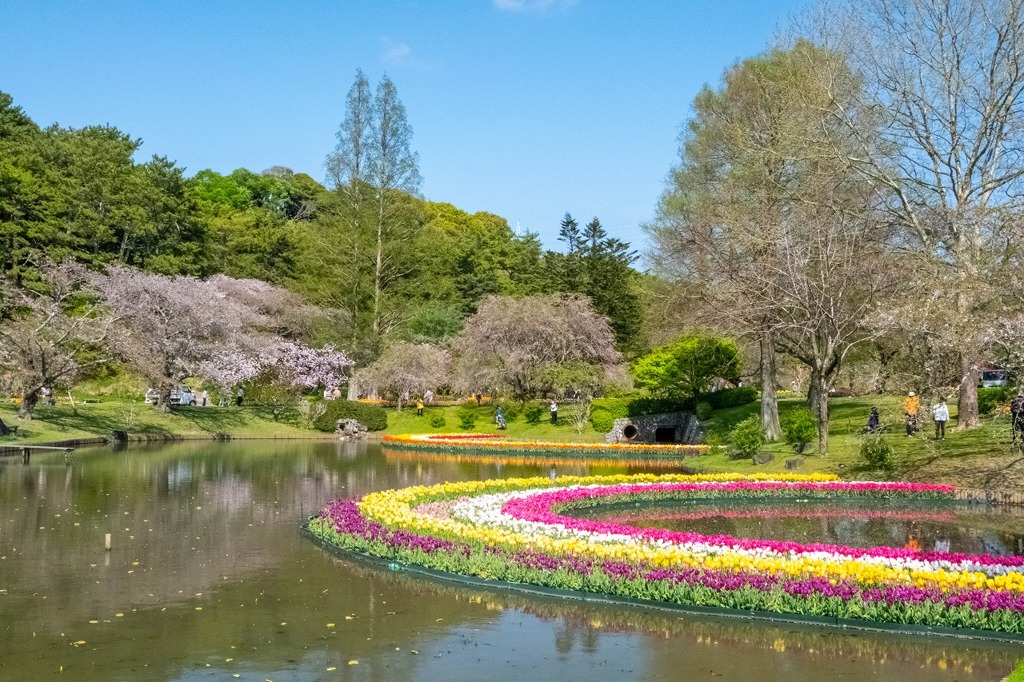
(817, 396)
(378, 273)
(967, 408)
(769, 399)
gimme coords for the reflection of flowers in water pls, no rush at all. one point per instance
(710, 632)
(511, 459)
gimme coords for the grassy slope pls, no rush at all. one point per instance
(63, 422)
(980, 457)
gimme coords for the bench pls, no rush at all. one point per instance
(11, 430)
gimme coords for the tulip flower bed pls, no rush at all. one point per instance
(499, 445)
(517, 530)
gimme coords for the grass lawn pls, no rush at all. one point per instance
(406, 421)
(978, 458)
(64, 422)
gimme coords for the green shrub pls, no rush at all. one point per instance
(798, 427)
(374, 417)
(988, 398)
(438, 421)
(876, 452)
(534, 412)
(704, 410)
(511, 414)
(731, 397)
(467, 417)
(747, 437)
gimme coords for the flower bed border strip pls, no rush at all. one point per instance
(842, 624)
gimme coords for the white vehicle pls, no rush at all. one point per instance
(180, 395)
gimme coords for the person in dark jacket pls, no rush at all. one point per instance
(872, 421)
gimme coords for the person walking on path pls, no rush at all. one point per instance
(554, 412)
(940, 412)
(1017, 418)
(419, 407)
(911, 406)
(499, 417)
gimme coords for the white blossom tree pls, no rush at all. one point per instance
(515, 342)
(407, 369)
(49, 337)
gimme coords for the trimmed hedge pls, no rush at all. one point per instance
(373, 416)
(988, 398)
(606, 410)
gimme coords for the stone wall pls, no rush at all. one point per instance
(680, 427)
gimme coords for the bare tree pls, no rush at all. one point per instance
(764, 223)
(48, 338)
(945, 81)
(515, 342)
(373, 167)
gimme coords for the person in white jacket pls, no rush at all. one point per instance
(940, 413)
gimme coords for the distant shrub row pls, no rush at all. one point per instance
(373, 416)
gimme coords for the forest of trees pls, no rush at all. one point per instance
(363, 264)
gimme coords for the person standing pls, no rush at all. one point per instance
(554, 412)
(940, 413)
(872, 421)
(239, 396)
(204, 397)
(419, 407)
(336, 394)
(911, 406)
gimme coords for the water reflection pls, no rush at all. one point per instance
(209, 573)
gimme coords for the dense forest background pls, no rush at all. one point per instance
(87, 195)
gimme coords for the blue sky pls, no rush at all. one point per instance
(524, 108)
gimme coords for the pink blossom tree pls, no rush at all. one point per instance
(407, 369)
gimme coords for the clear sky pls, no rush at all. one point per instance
(524, 108)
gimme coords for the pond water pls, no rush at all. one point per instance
(946, 527)
(209, 577)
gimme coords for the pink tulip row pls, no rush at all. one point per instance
(543, 508)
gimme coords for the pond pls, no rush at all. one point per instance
(209, 577)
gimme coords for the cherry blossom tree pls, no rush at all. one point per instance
(514, 342)
(49, 337)
(407, 369)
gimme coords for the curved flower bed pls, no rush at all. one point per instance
(492, 443)
(516, 530)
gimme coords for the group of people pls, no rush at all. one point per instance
(940, 415)
(332, 393)
(911, 409)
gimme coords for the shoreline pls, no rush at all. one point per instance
(12, 449)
